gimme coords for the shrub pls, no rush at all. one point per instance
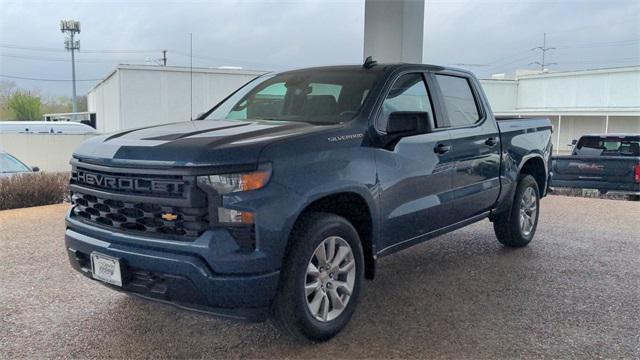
(25, 106)
(33, 189)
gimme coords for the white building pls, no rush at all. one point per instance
(141, 95)
(578, 102)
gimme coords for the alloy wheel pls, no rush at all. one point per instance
(528, 211)
(330, 278)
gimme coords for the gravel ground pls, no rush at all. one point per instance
(573, 293)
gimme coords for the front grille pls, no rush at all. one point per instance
(140, 217)
(118, 182)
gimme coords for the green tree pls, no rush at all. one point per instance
(6, 88)
(25, 106)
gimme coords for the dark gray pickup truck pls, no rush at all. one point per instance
(280, 199)
(609, 163)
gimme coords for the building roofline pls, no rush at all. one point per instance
(196, 70)
(113, 72)
(499, 80)
(617, 69)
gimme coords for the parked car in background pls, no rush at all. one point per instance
(10, 165)
(609, 163)
(280, 199)
(45, 127)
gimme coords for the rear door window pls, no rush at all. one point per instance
(460, 104)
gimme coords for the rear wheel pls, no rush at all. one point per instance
(517, 226)
(321, 278)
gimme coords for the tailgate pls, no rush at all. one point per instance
(595, 169)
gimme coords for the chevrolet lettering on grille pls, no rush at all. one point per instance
(123, 183)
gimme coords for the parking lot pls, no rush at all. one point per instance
(573, 293)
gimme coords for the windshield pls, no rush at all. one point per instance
(9, 164)
(608, 146)
(314, 96)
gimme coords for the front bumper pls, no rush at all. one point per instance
(186, 275)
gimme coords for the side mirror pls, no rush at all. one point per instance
(574, 142)
(407, 123)
(35, 169)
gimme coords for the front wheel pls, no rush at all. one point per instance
(516, 227)
(321, 278)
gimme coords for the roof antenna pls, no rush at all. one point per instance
(369, 63)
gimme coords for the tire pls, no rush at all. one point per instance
(511, 230)
(292, 309)
(634, 197)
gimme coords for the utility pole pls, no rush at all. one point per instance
(543, 50)
(164, 57)
(71, 27)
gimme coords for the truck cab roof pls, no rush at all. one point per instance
(385, 67)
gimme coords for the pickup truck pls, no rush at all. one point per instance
(609, 163)
(279, 200)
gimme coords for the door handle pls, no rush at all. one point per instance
(491, 142)
(442, 148)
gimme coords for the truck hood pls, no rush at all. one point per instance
(193, 143)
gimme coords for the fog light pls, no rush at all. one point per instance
(230, 216)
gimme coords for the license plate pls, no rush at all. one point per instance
(106, 268)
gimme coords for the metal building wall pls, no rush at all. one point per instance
(104, 100)
(137, 96)
(577, 102)
(615, 88)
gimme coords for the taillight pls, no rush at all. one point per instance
(637, 173)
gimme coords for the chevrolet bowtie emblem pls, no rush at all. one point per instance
(169, 216)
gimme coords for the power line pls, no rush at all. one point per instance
(596, 61)
(44, 58)
(219, 59)
(501, 61)
(35, 48)
(92, 51)
(607, 24)
(602, 44)
(42, 79)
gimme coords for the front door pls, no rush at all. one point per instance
(414, 179)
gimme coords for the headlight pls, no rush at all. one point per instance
(229, 183)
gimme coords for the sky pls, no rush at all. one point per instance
(484, 36)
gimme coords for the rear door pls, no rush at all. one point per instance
(475, 144)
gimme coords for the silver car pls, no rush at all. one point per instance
(9, 165)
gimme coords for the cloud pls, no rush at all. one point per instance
(276, 35)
